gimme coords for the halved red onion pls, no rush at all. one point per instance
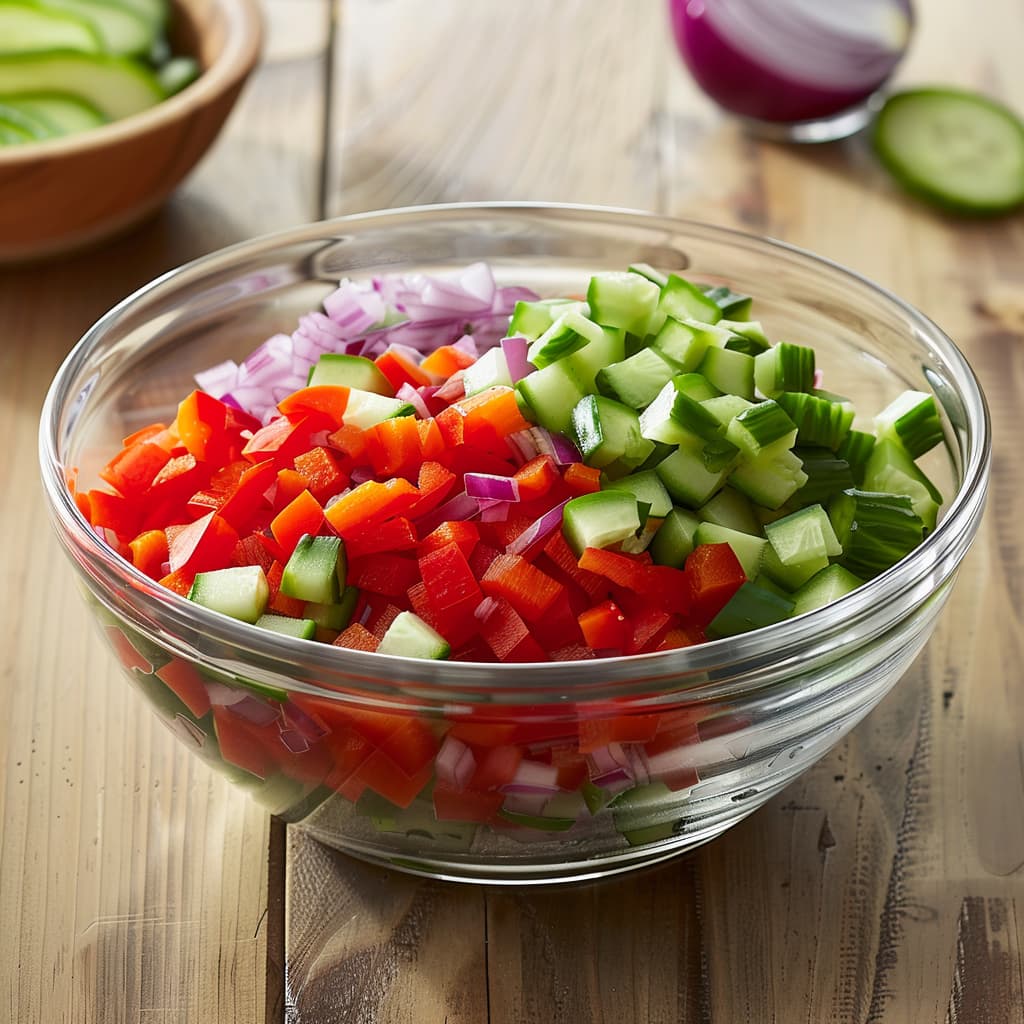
(538, 529)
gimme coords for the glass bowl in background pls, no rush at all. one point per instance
(618, 762)
(793, 70)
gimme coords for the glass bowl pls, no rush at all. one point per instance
(621, 762)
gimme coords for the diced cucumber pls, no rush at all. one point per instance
(303, 629)
(747, 549)
(770, 479)
(350, 372)
(875, 530)
(856, 449)
(891, 470)
(818, 420)
(685, 301)
(25, 28)
(784, 367)
(729, 371)
(366, 408)
(827, 474)
(647, 489)
(569, 333)
(551, 394)
(113, 85)
(335, 615)
(725, 407)
(532, 319)
(745, 336)
(686, 342)
(913, 421)
(823, 588)
(790, 577)
(763, 428)
(122, 30)
(599, 520)
(751, 607)
(621, 299)
(733, 305)
(409, 636)
(803, 535)
(674, 540)
(676, 418)
(241, 592)
(732, 509)
(646, 270)
(607, 432)
(637, 380)
(316, 570)
(602, 351)
(687, 478)
(489, 370)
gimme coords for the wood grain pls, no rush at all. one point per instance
(883, 886)
(133, 881)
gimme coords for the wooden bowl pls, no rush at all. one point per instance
(67, 193)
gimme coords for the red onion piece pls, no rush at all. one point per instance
(527, 803)
(304, 723)
(467, 344)
(540, 528)
(514, 349)
(224, 696)
(533, 776)
(485, 608)
(254, 710)
(495, 512)
(218, 379)
(456, 509)
(407, 393)
(452, 389)
(492, 487)
(294, 741)
(455, 763)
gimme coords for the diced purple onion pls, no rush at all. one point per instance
(514, 350)
(223, 696)
(492, 487)
(407, 393)
(494, 511)
(542, 527)
(218, 379)
(467, 344)
(455, 763)
(485, 609)
(533, 777)
(456, 509)
(294, 741)
(360, 474)
(303, 722)
(527, 803)
(451, 390)
(254, 710)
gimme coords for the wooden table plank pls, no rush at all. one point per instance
(885, 884)
(133, 880)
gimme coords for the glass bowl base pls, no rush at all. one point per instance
(836, 126)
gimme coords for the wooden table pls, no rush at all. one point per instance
(887, 885)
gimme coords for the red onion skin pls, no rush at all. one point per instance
(741, 84)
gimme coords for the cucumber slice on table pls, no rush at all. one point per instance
(27, 28)
(955, 148)
(114, 86)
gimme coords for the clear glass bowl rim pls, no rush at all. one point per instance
(645, 674)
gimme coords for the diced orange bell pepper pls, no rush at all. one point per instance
(321, 470)
(446, 360)
(371, 502)
(536, 477)
(149, 552)
(324, 402)
(300, 516)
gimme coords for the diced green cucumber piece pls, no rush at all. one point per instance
(827, 474)
(733, 305)
(489, 370)
(336, 615)
(891, 470)
(599, 520)
(747, 549)
(602, 351)
(62, 114)
(240, 591)
(856, 448)
(686, 342)
(818, 420)
(622, 299)
(767, 583)
(790, 577)
(303, 629)
(316, 570)
(122, 30)
(26, 28)
(646, 270)
(540, 822)
(687, 478)
(725, 407)
(784, 367)
(676, 418)
(729, 371)
(771, 479)
(113, 85)
(551, 394)
(647, 489)
(875, 530)
(674, 540)
(745, 336)
(350, 372)
(569, 333)
(803, 535)
(366, 408)
(732, 509)
(409, 636)
(607, 432)
(696, 386)
(637, 380)
(751, 607)
(762, 428)
(913, 420)
(532, 319)
(823, 588)
(685, 301)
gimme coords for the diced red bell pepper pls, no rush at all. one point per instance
(281, 440)
(350, 440)
(508, 636)
(322, 471)
(581, 479)
(384, 777)
(149, 552)
(431, 440)
(240, 745)
(179, 478)
(452, 804)
(496, 766)
(288, 485)
(536, 477)
(280, 603)
(604, 626)
(248, 495)
(412, 746)
(435, 483)
(202, 426)
(371, 502)
(715, 574)
(181, 677)
(481, 558)
(530, 591)
(649, 624)
(452, 590)
(114, 512)
(303, 515)
(670, 588)
(383, 573)
(132, 471)
(180, 582)
(249, 551)
(393, 447)
(596, 733)
(396, 534)
(127, 653)
(622, 570)
(681, 636)
(325, 404)
(208, 543)
(357, 638)
(462, 533)
(382, 615)
(558, 550)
